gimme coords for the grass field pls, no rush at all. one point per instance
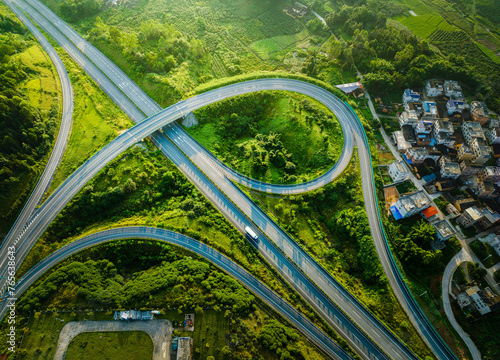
(126, 345)
(211, 333)
(42, 333)
(423, 26)
(96, 121)
(301, 137)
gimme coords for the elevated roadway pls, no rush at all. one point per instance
(22, 221)
(283, 241)
(304, 325)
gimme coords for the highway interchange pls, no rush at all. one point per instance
(303, 324)
(112, 80)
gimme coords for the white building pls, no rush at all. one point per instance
(434, 88)
(455, 106)
(408, 118)
(410, 96)
(430, 110)
(443, 230)
(408, 205)
(479, 303)
(398, 171)
(472, 130)
(482, 153)
(453, 90)
(443, 133)
(493, 136)
(400, 141)
(416, 155)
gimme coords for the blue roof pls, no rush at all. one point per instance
(396, 213)
(410, 93)
(433, 141)
(427, 104)
(407, 160)
(429, 178)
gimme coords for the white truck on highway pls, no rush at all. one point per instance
(251, 236)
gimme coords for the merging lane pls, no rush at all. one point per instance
(22, 221)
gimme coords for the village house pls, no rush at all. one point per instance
(434, 88)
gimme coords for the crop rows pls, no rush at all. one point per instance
(441, 35)
(278, 23)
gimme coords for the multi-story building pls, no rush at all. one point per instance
(434, 88)
(469, 168)
(484, 189)
(408, 205)
(433, 153)
(400, 141)
(452, 89)
(414, 109)
(449, 169)
(463, 204)
(452, 211)
(430, 110)
(493, 135)
(469, 217)
(443, 132)
(410, 96)
(455, 106)
(489, 173)
(464, 152)
(482, 153)
(489, 218)
(398, 171)
(416, 155)
(479, 112)
(472, 130)
(492, 123)
(443, 230)
(407, 118)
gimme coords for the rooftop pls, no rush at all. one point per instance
(349, 88)
(435, 84)
(430, 107)
(491, 215)
(401, 141)
(400, 166)
(444, 125)
(429, 212)
(419, 198)
(473, 213)
(444, 228)
(450, 167)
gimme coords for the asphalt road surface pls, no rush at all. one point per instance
(303, 324)
(319, 275)
(22, 220)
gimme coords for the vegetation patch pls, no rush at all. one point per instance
(423, 26)
(485, 253)
(271, 136)
(96, 121)
(122, 345)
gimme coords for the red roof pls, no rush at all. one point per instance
(430, 212)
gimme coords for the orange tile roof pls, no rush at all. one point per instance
(430, 212)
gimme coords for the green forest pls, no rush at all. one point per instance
(28, 114)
